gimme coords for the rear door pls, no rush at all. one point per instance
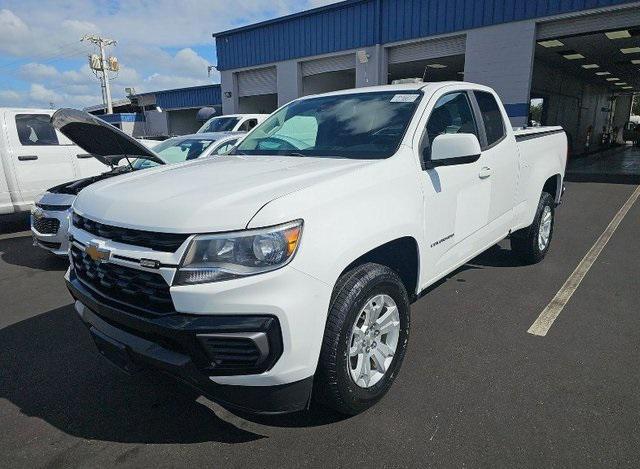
(500, 163)
(456, 199)
(39, 157)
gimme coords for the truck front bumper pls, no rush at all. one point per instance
(50, 230)
(174, 344)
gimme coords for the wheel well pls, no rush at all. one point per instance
(401, 255)
(552, 186)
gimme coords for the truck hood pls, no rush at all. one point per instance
(100, 139)
(208, 195)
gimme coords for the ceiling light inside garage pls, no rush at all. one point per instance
(436, 66)
(613, 79)
(635, 61)
(618, 34)
(575, 56)
(603, 73)
(551, 43)
(630, 50)
(627, 87)
(588, 66)
(622, 83)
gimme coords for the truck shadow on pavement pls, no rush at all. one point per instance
(50, 370)
(21, 252)
(496, 256)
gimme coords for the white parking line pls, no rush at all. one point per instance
(544, 322)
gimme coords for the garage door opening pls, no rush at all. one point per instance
(328, 74)
(440, 69)
(258, 104)
(585, 83)
(329, 81)
(257, 91)
(434, 60)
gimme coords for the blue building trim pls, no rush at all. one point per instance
(193, 97)
(360, 23)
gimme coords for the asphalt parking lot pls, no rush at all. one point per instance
(475, 390)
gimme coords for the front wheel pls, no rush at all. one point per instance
(531, 244)
(365, 339)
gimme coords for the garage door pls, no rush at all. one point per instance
(589, 23)
(328, 64)
(257, 82)
(425, 50)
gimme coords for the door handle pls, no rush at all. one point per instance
(485, 172)
(83, 156)
(27, 157)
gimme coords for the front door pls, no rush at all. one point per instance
(456, 197)
(40, 161)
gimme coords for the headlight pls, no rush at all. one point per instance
(215, 257)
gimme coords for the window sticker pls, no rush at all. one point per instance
(404, 98)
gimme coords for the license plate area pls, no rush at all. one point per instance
(114, 351)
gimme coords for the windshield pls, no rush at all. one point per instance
(219, 124)
(358, 126)
(176, 150)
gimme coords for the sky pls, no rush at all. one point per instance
(161, 44)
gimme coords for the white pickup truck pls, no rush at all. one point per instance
(34, 156)
(283, 273)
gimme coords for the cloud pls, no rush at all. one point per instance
(38, 72)
(9, 97)
(159, 46)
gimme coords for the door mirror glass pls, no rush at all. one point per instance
(452, 149)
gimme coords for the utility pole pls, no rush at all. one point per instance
(100, 63)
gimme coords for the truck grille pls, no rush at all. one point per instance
(145, 290)
(167, 242)
(46, 225)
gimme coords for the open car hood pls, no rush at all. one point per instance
(100, 139)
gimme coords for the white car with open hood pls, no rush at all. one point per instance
(51, 212)
(283, 273)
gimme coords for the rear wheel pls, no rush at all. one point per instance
(365, 339)
(531, 244)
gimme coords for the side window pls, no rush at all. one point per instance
(492, 117)
(35, 129)
(452, 114)
(225, 147)
(248, 125)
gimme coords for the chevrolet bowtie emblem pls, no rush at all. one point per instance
(96, 253)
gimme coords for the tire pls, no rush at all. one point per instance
(526, 243)
(334, 386)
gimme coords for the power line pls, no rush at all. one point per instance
(38, 57)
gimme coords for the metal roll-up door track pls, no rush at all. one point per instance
(328, 64)
(425, 50)
(257, 82)
(589, 23)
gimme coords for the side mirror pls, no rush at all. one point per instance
(453, 149)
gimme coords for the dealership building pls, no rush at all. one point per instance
(577, 61)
